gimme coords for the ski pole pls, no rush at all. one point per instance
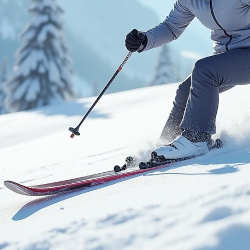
(75, 131)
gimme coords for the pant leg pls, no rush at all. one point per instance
(172, 126)
(211, 74)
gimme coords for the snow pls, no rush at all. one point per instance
(202, 204)
(34, 90)
(19, 92)
(54, 74)
(35, 57)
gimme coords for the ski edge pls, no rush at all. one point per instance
(36, 191)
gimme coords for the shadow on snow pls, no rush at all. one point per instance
(231, 166)
(38, 204)
(235, 236)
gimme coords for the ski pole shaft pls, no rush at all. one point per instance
(75, 131)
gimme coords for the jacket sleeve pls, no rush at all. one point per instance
(247, 2)
(173, 26)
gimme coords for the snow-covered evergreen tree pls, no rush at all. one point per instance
(166, 71)
(42, 72)
(3, 79)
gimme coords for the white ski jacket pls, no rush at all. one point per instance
(228, 20)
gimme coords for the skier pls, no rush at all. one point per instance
(192, 119)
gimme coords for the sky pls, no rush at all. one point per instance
(161, 7)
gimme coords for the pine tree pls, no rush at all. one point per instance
(165, 70)
(42, 72)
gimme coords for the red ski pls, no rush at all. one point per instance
(131, 168)
(77, 183)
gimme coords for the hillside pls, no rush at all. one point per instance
(202, 204)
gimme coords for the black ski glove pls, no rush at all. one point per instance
(136, 41)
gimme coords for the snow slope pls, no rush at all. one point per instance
(202, 204)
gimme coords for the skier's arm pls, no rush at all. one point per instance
(247, 2)
(173, 26)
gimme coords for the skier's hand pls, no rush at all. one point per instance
(136, 41)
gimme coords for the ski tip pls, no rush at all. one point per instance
(10, 185)
(17, 188)
(6, 183)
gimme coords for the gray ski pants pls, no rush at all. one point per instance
(197, 98)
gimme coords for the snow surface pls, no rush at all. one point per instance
(202, 204)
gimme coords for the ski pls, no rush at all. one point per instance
(129, 169)
(73, 184)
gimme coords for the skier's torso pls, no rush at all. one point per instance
(228, 20)
(232, 15)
